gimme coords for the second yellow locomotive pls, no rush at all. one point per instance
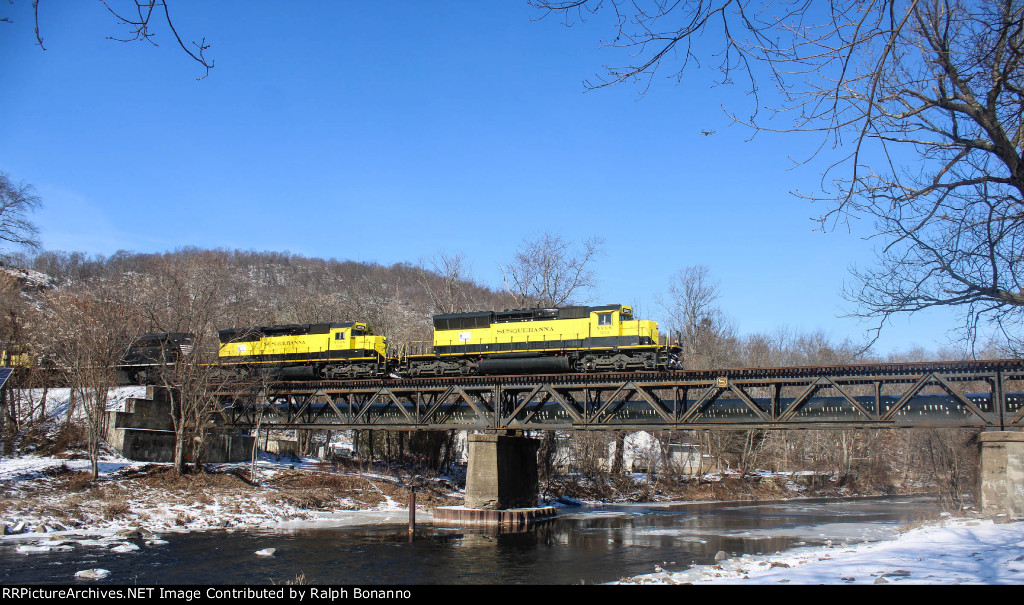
(552, 340)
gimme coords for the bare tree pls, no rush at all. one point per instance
(188, 294)
(93, 328)
(16, 202)
(447, 290)
(257, 386)
(923, 103)
(706, 336)
(550, 272)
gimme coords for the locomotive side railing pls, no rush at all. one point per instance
(417, 347)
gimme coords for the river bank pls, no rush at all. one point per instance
(49, 506)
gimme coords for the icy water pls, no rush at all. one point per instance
(583, 545)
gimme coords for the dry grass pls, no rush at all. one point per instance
(78, 481)
(309, 500)
(165, 477)
(69, 498)
(299, 579)
(315, 479)
(308, 490)
(323, 490)
(204, 498)
(113, 510)
(45, 439)
(61, 514)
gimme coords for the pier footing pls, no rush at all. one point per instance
(512, 518)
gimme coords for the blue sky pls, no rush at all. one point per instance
(389, 131)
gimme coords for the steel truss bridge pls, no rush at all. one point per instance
(984, 394)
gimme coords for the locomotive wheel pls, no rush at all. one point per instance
(587, 364)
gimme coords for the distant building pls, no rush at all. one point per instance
(645, 453)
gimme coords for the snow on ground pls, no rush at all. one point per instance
(954, 551)
(47, 522)
(58, 400)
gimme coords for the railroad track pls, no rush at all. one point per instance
(907, 371)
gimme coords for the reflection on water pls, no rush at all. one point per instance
(587, 544)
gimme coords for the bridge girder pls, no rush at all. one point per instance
(970, 394)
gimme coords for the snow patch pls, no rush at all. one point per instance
(92, 574)
(955, 551)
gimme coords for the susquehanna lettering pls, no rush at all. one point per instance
(523, 330)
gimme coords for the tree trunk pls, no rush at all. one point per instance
(42, 404)
(179, 453)
(254, 475)
(546, 455)
(620, 447)
(71, 408)
(449, 452)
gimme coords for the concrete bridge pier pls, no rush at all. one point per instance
(1002, 473)
(501, 483)
(502, 472)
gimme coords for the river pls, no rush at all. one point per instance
(587, 544)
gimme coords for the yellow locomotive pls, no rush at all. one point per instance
(554, 340)
(14, 356)
(307, 351)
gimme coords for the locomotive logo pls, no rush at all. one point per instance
(523, 330)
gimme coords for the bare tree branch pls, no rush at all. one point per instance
(138, 17)
(140, 29)
(922, 100)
